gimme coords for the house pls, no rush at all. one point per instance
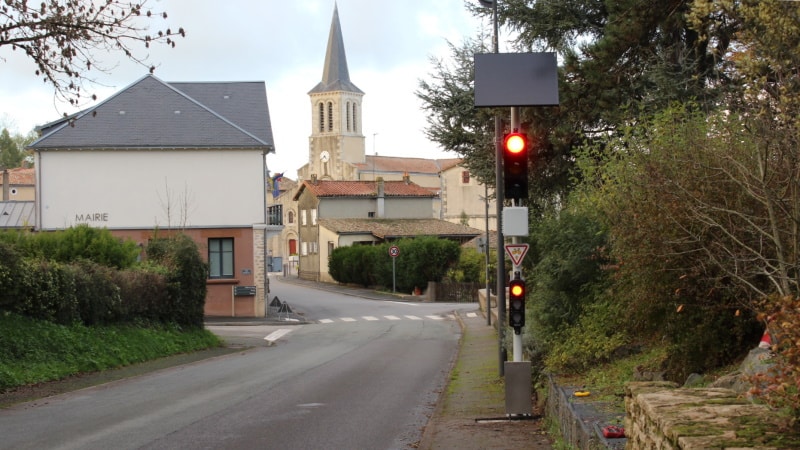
(336, 213)
(337, 154)
(160, 157)
(19, 184)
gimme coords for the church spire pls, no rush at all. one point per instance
(335, 76)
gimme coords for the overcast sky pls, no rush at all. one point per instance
(282, 42)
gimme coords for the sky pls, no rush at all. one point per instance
(388, 44)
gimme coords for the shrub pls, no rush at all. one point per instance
(97, 294)
(10, 273)
(186, 279)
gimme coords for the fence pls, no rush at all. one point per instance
(453, 292)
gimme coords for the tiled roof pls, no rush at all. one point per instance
(21, 177)
(327, 188)
(399, 228)
(16, 215)
(409, 165)
(153, 114)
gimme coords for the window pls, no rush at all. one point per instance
(290, 217)
(330, 116)
(355, 119)
(348, 116)
(220, 257)
(465, 177)
(371, 214)
(321, 117)
(303, 217)
(275, 215)
(313, 217)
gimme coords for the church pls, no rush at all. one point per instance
(344, 196)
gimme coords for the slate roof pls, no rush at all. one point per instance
(400, 228)
(335, 76)
(368, 189)
(17, 215)
(151, 113)
(406, 165)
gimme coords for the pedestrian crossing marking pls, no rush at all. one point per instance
(472, 314)
(392, 318)
(277, 334)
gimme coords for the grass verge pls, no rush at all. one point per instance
(33, 351)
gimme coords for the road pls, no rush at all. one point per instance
(364, 374)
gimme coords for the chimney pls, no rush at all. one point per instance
(406, 178)
(381, 198)
(313, 178)
(6, 184)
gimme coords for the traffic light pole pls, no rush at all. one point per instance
(516, 268)
(501, 251)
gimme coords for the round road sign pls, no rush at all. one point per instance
(394, 251)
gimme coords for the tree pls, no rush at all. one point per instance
(63, 37)
(10, 154)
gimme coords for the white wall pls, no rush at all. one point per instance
(145, 189)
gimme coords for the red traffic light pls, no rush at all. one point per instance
(515, 143)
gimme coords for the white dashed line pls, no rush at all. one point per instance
(435, 317)
(326, 321)
(347, 319)
(392, 317)
(370, 318)
(413, 317)
(472, 314)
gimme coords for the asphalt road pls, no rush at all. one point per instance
(365, 374)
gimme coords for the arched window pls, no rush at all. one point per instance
(291, 217)
(330, 116)
(355, 118)
(348, 116)
(321, 117)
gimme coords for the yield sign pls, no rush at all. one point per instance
(516, 252)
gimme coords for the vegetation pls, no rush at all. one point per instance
(421, 260)
(663, 189)
(77, 300)
(34, 351)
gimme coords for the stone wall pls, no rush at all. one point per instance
(660, 416)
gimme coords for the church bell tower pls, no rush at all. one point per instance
(337, 140)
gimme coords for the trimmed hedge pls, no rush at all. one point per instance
(420, 260)
(169, 288)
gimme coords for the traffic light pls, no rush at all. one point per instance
(515, 165)
(516, 304)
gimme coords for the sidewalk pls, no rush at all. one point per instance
(475, 396)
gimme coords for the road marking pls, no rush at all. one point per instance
(277, 334)
(389, 317)
(472, 314)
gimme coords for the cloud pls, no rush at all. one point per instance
(388, 46)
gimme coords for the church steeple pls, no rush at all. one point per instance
(335, 76)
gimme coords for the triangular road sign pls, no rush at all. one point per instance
(516, 252)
